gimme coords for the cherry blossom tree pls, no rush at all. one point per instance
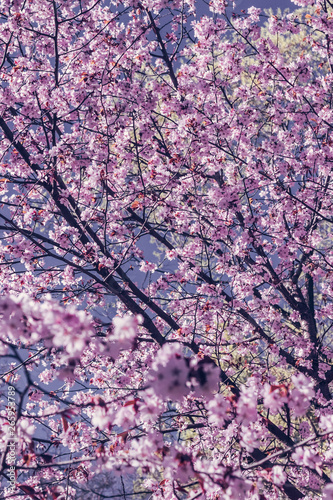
(166, 250)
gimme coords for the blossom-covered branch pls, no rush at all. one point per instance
(166, 249)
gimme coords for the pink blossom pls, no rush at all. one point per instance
(328, 492)
(301, 395)
(124, 333)
(247, 405)
(304, 429)
(125, 417)
(204, 377)
(146, 266)
(171, 254)
(250, 437)
(275, 396)
(278, 475)
(46, 376)
(238, 488)
(303, 3)
(169, 375)
(151, 407)
(173, 171)
(102, 418)
(307, 457)
(254, 13)
(326, 423)
(217, 408)
(25, 429)
(218, 6)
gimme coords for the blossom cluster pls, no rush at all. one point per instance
(166, 269)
